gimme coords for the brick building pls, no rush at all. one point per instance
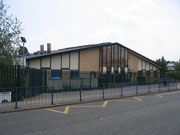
(111, 60)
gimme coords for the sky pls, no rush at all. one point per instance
(149, 27)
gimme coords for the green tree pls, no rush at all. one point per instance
(163, 63)
(20, 50)
(177, 65)
(10, 30)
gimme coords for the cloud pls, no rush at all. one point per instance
(150, 27)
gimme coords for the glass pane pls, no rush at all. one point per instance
(122, 57)
(119, 56)
(116, 60)
(104, 56)
(109, 57)
(126, 57)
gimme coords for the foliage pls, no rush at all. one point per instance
(163, 63)
(173, 74)
(20, 50)
(10, 29)
(177, 65)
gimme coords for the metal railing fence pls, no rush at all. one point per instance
(46, 95)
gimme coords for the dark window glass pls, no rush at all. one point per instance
(119, 56)
(155, 74)
(116, 60)
(139, 73)
(74, 74)
(93, 75)
(147, 73)
(104, 56)
(112, 58)
(101, 58)
(56, 73)
(126, 57)
(122, 57)
(109, 55)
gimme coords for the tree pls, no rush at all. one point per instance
(163, 63)
(10, 30)
(20, 50)
(177, 65)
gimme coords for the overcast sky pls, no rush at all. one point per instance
(150, 27)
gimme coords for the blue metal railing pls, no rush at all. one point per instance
(44, 95)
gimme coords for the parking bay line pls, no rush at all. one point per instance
(84, 106)
(66, 111)
(138, 99)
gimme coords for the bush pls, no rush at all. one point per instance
(173, 75)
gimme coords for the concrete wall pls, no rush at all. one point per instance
(56, 62)
(132, 62)
(89, 60)
(35, 63)
(46, 62)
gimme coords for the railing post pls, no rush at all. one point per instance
(16, 105)
(103, 90)
(80, 94)
(168, 85)
(136, 88)
(176, 85)
(52, 95)
(122, 89)
(159, 86)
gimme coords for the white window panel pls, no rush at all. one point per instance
(112, 70)
(147, 66)
(150, 66)
(65, 60)
(119, 70)
(139, 65)
(56, 62)
(46, 62)
(34, 63)
(74, 60)
(104, 70)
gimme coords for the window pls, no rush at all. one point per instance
(56, 73)
(104, 56)
(74, 74)
(155, 74)
(147, 73)
(92, 74)
(126, 57)
(116, 60)
(109, 55)
(139, 73)
(103, 61)
(122, 57)
(112, 57)
(119, 56)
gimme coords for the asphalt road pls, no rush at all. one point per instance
(157, 114)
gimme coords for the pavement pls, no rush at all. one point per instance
(155, 114)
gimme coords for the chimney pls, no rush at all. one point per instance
(42, 49)
(48, 47)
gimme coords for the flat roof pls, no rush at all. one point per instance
(82, 47)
